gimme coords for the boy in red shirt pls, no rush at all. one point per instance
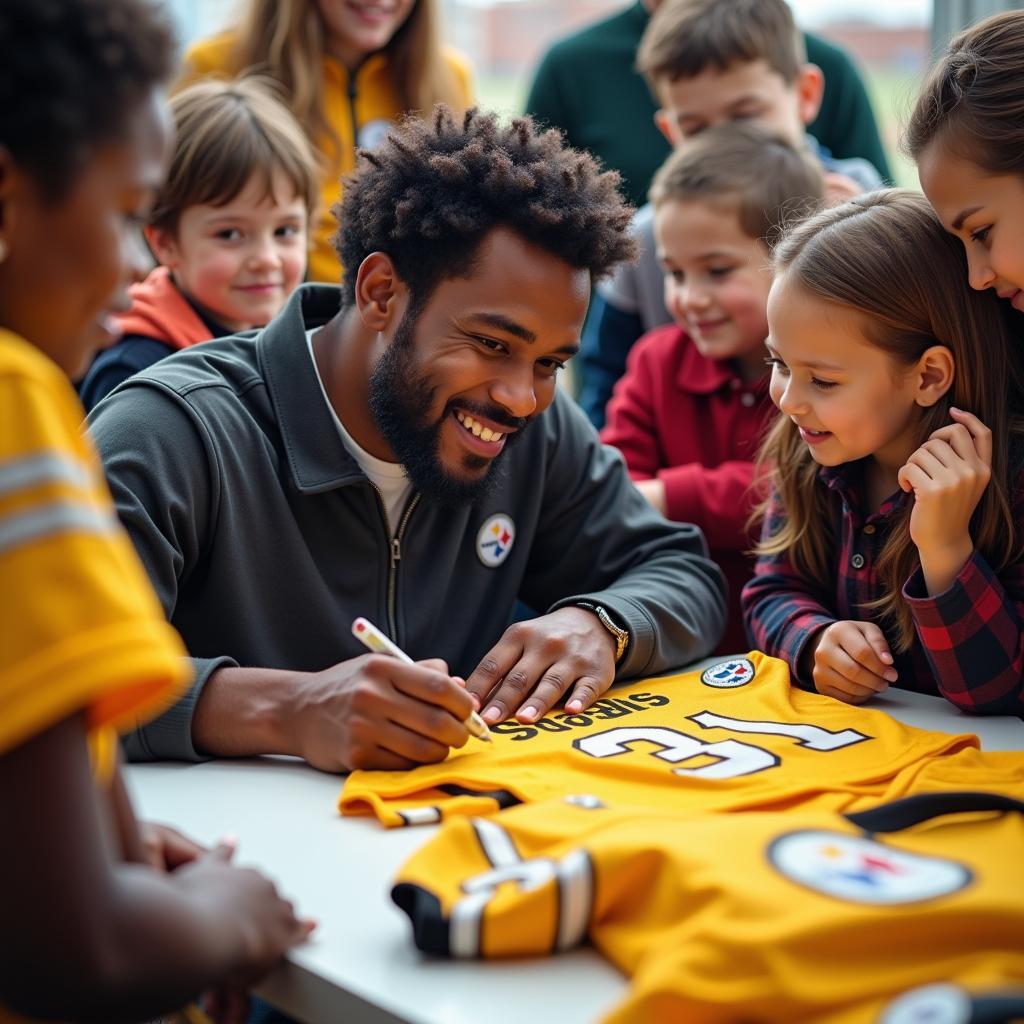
(692, 407)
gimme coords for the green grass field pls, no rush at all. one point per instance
(892, 95)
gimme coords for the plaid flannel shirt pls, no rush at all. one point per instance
(970, 646)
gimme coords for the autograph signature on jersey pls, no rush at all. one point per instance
(603, 709)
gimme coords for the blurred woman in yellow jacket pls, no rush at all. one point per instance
(348, 69)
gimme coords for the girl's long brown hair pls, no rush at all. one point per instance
(886, 257)
(973, 97)
(285, 39)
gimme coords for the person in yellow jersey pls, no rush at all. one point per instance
(911, 911)
(104, 920)
(348, 70)
(736, 736)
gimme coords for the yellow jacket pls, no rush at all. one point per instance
(357, 120)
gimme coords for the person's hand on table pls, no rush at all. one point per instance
(256, 924)
(167, 849)
(567, 652)
(850, 661)
(376, 711)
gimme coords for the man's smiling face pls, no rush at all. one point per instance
(465, 373)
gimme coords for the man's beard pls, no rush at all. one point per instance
(401, 400)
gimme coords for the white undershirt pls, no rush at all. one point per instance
(388, 477)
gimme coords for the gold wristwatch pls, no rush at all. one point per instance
(621, 635)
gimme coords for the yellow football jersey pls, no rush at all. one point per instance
(736, 736)
(801, 916)
(80, 626)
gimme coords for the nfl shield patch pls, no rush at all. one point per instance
(495, 539)
(727, 674)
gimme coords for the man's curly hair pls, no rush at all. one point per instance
(434, 189)
(71, 71)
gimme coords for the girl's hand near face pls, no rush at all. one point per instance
(948, 475)
(850, 661)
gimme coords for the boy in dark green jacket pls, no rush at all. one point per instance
(587, 85)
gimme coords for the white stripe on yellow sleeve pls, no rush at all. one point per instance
(48, 468)
(62, 516)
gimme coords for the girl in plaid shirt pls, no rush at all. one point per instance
(890, 552)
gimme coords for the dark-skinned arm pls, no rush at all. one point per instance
(126, 942)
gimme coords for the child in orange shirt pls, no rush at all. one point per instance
(228, 229)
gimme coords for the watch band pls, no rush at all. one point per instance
(621, 635)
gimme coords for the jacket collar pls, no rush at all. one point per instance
(699, 375)
(373, 64)
(316, 456)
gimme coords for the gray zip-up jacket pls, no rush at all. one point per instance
(264, 539)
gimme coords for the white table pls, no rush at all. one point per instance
(362, 966)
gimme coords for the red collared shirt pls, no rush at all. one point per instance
(694, 424)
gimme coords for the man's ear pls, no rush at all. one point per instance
(935, 373)
(379, 291)
(164, 246)
(810, 88)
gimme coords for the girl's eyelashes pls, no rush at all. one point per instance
(981, 234)
(778, 365)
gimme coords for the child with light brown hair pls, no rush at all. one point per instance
(692, 407)
(708, 62)
(348, 72)
(228, 229)
(892, 550)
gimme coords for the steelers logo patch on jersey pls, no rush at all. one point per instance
(930, 1004)
(727, 674)
(495, 539)
(862, 870)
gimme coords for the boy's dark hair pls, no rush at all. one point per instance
(431, 192)
(70, 73)
(224, 133)
(973, 98)
(686, 37)
(772, 184)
